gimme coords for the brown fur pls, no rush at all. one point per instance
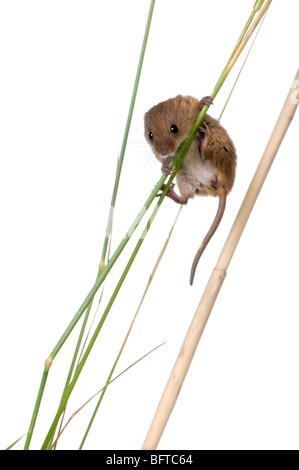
(210, 164)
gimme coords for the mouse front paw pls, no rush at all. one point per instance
(166, 168)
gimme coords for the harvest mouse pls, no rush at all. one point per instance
(209, 166)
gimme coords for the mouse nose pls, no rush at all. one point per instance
(167, 148)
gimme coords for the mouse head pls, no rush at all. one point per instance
(167, 124)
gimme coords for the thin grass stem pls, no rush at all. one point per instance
(104, 316)
(88, 301)
(14, 443)
(105, 386)
(108, 232)
(242, 67)
(130, 328)
(100, 279)
(103, 273)
(127, 128)
(177, 161)
(36, 408)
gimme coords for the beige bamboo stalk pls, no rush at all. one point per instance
(213, 287)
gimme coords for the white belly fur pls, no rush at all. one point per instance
(194, 172)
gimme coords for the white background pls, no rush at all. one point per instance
(67, 72)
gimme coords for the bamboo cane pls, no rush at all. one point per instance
(214, 284)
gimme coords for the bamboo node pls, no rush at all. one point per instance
(221, 272)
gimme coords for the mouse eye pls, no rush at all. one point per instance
(150, 136)
(174, 129)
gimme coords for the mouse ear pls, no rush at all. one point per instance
(177, 102)
(193, 106)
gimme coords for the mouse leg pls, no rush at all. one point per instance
(174, 196)
(167, 169)
(202, 137)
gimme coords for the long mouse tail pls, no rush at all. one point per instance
(213, 228)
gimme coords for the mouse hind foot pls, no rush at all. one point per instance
(173, 195)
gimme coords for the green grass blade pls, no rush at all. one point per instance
(177, 161)
(14, 443)
(129, 331)
(105, 386)
(36, 408)
(241, 69)
(127, 128)
(88, 301)
(102, 320)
